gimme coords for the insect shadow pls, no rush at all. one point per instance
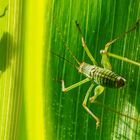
(6, 46)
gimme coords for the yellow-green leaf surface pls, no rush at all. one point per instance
(10, 74)
(32, 106)
(24, 37)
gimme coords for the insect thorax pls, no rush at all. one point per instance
(102, 76)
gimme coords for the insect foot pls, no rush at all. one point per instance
(92, 114)
(97, 124)
(63, 86)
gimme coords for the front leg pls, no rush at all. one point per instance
(74, 85)
(85, 46)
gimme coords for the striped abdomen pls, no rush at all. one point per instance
(102, 76)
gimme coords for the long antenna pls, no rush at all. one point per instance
(131, 29)
(115, 111)
(64, 59)
(66, 45)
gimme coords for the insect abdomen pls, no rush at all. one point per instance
(102, 76)
(106, 78)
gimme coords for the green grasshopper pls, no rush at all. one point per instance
(103, 77)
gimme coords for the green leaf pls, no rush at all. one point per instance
(100, 21)
(32, 105)
(10, 72)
